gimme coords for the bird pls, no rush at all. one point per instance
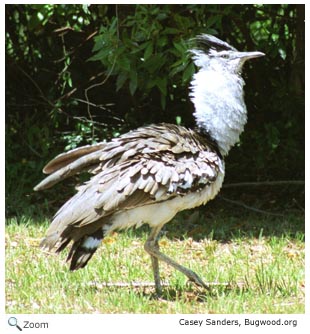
(148, 175)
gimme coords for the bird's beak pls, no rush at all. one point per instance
(249, 55)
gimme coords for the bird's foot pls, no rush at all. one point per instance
(193, 277)
(159, 290)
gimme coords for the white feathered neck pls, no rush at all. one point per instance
(217, 93)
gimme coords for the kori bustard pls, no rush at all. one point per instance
(149, 174)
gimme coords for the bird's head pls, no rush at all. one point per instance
(217, 90)
(212, 53)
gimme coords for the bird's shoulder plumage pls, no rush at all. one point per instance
(145, 140)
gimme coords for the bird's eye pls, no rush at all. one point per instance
(225, 56)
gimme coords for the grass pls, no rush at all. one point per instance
(254, 264)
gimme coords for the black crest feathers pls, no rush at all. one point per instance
(205, 42)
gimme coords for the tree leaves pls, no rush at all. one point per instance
(142, 57)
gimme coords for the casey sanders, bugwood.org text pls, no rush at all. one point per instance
(237, 322)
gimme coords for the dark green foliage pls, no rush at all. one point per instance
(78, 74)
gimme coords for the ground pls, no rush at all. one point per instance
(254, 263)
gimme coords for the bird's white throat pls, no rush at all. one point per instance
(219, 105)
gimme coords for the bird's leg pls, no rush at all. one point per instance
(152, 242)
(156, 273)
(151, 246)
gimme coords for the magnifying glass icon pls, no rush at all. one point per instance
(13, 322)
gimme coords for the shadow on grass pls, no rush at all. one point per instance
(189, 293)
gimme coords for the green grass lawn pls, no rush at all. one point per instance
(254, 264)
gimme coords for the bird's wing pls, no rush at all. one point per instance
(64, 159)
(153, 138)
(147, 166)
(146, 179)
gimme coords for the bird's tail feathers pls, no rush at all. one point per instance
(83, 249)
